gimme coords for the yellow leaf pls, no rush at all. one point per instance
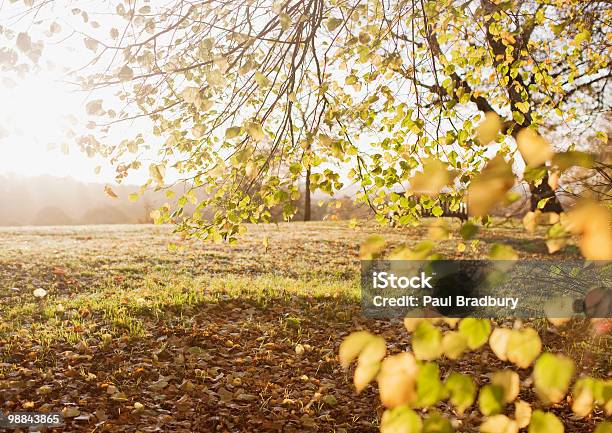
(522, 413)
(126, 73)
(488, 130)
(410, 323)
(373, 351)
(285, 21)
(453, 344)
(397, 380)
(109, 192)
(24, 42)
(553, 180)
(439, 230)
(94, 107)
(352, 346)
(157, 172)
(433, 178)
(251, 169)
(530, 221)
(255, 131)
(502, 252)
(364, 374)
(523, 347)
(369, 349)
(232, 132)
(490, 186)
(401, 420)
(582, 403)
(533, 147)
(523, 106)
(559, 309)
(325, 140)
(499, 424)
(594, 223)
(499, 342)
(551, 377)
(509, 381)
(555, 244)
(91, 44)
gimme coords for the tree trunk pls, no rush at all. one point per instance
(514, 85)
(542, 191)
(307, 196)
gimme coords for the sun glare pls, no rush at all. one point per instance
(36, 115)
(34, 112)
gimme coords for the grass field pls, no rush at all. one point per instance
(211, 337)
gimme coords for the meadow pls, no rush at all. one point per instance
(135, 336)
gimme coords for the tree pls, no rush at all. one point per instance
(250, 100)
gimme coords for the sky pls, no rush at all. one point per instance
(35, 109)
(34, 117)
(38, 108)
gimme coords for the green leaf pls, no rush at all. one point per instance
(436, 423)
(371, 247)
(401, 419)
(491, 400)
(583, 396)
(502, 252)
(534, 174)
(523, 107)
(518, 117)
(468, 230)
(602, 391)
(565, 160)
(255, 131)
(350, 80)
(261, 80)
(476, 331)
(603, 427)
(542, 202)
(545, 422)
(429, 387)
(437, 211)
(454, 344)
(333, 23)
(295, 168)
(426, 341)
(462, 390)
(509, 381)
(552, 375)
(232, 132)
